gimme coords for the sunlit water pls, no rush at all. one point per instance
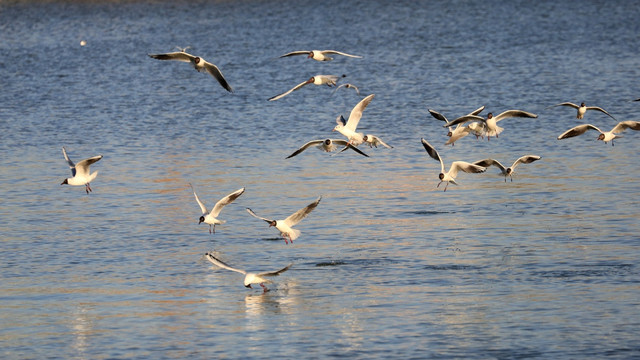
(388, 265)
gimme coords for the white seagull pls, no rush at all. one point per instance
(374, 141)
(198, 63)
(348, 128)
(492, 128)
(460, 131)
(80, 172)
(329, 80)
(348, 86)
(319, 55)
(211, 217)
(327, 145)
(249, 277)
(286, 226)
(450, 176)
(508, 171)
(605, 136)
(582, 109)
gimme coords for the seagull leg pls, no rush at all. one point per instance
(284, 236)
(214, 228)
(446, 186)
(264, 288)
(209, 229)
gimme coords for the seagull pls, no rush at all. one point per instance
(197, 62)
(582, 109)
(286, 226)
(249, 277)
(327, 145)
(510, 170)
(450, 176)
(348, 86)
(460, 131)
(374, 141)
(492, 129)
(319, 55)
(211, 218)
(329, 80)
(348, 128)
(80, 172)
(604, 136)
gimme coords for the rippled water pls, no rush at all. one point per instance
(388, 265)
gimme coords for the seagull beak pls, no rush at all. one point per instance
(248, 286)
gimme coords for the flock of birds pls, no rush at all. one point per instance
(458, 128)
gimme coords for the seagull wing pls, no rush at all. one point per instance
(433, 153)
(178, 55)
(623, 125)
(466, 167)
(276, 273)
(488, 162)
(527, 159)
(578, 130)
(438, 116)
(464, 119)
(565, 104)
(221, 264)
(305, 147)
(349, 146)
(302, 213)
(289, 91)
(514, 113)
(202, 207)
(477, 111)
(294, 53)
(71, 164)
(356, 113)
(225, 201)
(215, 71)
(82, 167)
(259, 217)
(600, 109)
(377, 139)
(334, 52)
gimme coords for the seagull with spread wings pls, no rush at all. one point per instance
(450, 176)
(81, 172)
(286, 226)
(249, 277)
(605, 136)
(508, 171)
(319, 55)
(197, 62)
(582, 109)
(348, 127)
(211, 217)
(329, 80)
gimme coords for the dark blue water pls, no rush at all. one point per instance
(388, 265)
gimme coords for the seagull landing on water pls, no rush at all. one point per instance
(329, 80)
(327, 145)
(605, 136)
(450, 176)
(319, 55)
(249, 277)
(582, 109)
(197, 62)
(508, 171)
(81, 172)
(348, 127)
(211, 217)
(286, 226)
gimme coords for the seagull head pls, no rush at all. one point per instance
(66, 181)
(582, 104)
(450, 133)
(489, 115)
(327, 142)
(248, 286)
(196, 60)
(441, 176)
(509, 171)
(201, 220)
(311, 80)
(272, 223)
(600, 137)
(310, 54)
